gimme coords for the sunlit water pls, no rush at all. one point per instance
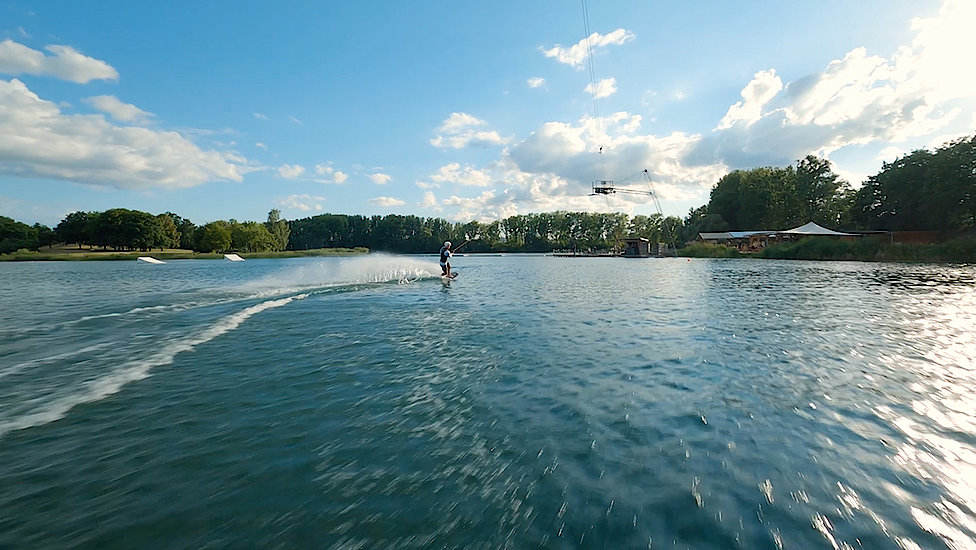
(533, 402)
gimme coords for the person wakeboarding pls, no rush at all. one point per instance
(446, 259)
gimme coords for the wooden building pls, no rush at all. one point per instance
(638, 247)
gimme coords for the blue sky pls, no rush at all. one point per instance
(461, 110)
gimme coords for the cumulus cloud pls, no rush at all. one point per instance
(38, 140)
(536, 82)
(304, 203)
(386, 201)
(555, 166)
(123, 112)
(328, 174)
(453, 173)
(593, 149)
(763, 88)
(915, 97)
(575, 55)
(604, 88)
(380, 178)
(430, 201)
(461, 130)
(856, 100)
(65, 63)
(290, 171)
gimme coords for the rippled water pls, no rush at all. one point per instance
(533, 402)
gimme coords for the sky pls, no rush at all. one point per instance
(459, 110)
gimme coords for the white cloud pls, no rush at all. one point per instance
(453, 173)
(380, 178)
(856, 100)
(328, 174)
(937, 47)
(260, 116)
(295, 120)
(890, 153)
(604, 88)
(461, 130)
(918, 96)
(304, 203)
(386, 201)
(763, 88)
(536, 82)
(290, 171)
(260, 145)
(458, 122)
(575, 55)
(66, 63)
(37, 140)
(430, 201)
(124, 112)
(554, 167)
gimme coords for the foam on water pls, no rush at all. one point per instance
(371, 269)
(14, 369)
(106, 385)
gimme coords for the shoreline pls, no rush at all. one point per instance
(75, 255)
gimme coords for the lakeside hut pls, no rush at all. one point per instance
(637, 247)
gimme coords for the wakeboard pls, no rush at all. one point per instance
(453, 275)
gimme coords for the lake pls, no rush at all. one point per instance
(534, 402)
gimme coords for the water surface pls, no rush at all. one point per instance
(533, 402)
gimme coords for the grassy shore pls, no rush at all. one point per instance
(64, 253)
(961, 250)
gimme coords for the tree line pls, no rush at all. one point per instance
(121, 229)
(924, 190)
(541, 232)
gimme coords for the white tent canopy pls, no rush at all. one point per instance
(814, 229)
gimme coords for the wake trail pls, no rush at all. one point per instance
(14, 369)
(100, 388)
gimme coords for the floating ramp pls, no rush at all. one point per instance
(150, 260)
(233, 257)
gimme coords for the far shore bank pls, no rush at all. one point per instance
(961, 250)
(74, 254)
(955, 251)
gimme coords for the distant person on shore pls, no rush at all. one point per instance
(446, 259)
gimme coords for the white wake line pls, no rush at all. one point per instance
(175, 307)
(14, 369)
(132, 371)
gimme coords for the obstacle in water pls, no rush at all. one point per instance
(233, 257)
(150, 260)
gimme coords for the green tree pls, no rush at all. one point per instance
(75, 228)
(818, 192)
(186, 230)
(15, 235)
(213, 237)
(251, 237)
(169, 233)
(279, 230)
(45, 235)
